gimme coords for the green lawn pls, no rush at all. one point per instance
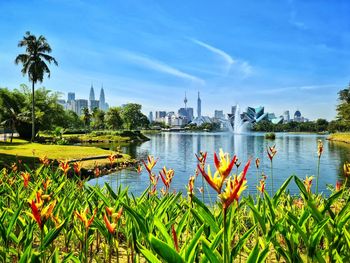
(340, 137)
(30, 152)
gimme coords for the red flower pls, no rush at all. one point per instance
(271, 152)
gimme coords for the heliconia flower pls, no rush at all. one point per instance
(111, 158)
(14, 167)
(271, 152)
(234, 188)
(77, 167)
(337, 186)
(166, 176)
(215, 182)
(257, 163)
(153, 179)
(82, 216)
(202, 157)
(151, 162)
(163, 192)
(64, 166)
(117, 216)
(110, 226)
(26, 178)
(298, 203)
(41, 215)
(347, 169)
(200, 189)
(319, 148)
(224, 165)
(308, 183)
(153, 190)
(139, 169)
(46, 183)
(175, 239)
(97, 171)
(190, 186)
(261, 187)
(44, 160)
(109, 210)
(36, 214)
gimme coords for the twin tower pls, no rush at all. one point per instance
(101, 103)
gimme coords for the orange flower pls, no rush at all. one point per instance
(64, 166)
(337, 186)
(347, 169)
(151, 162)
(257, 163)
(77, 167)
(46, 184)
(298, 203)
(109, 210)
(166, 176)
(97, 171)
(224, 166)
(139, 169)
(175, 239)
(261, 187)
(44, 160)
(14, 167)
(190, 186)
(153, 190)
(271, 152)
(319, 148)
(234, 188)
(26, 178)
(110, 227)
(82, 216)
(41, 214)
(111, 158)
(308, 183)
(202, 157)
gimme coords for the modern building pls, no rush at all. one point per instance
(199, 106)
(62, 103)
(71, 96)
(160, 114)
(150, 116)
(79, 105)
(219, 114)
(297, 116)
(102, 102)
(186, 113)
(286, 116)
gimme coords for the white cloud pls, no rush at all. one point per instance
(230, 63)
(159, 66)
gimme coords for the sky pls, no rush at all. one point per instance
(283, 55)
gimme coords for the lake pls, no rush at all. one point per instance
(296, 154)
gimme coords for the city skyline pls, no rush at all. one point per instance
(286, 56)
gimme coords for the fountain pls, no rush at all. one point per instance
(239, 126)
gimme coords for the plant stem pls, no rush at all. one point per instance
(225, 245)
(272, 178)
(318, 174)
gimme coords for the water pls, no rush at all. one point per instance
(296, 154)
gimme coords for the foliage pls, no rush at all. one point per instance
(66, 219)
(132, 116)
(320, 125)
(270, 135)
(113, 118)
(343, 107)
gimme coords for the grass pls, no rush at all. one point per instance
(30, 152)
(340, 137)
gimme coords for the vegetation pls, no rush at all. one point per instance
(204, 126)
(320, 125)
(34, 64)
(270, 135)
(31, 152)
(47, 217)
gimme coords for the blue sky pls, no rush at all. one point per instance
(284, 55)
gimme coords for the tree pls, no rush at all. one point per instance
(86, 117)
(99, 118)
(113, 118)
(37, 50)
(343, 108)
(132, 116)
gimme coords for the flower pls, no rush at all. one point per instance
(139, 169)
(234, 188)
(46, 183)
(41, 214)
(308, 183)
(115, 217)
(224, 166)
(190, 186)
(151, 162)
(347, 169)
(319, 148)
(97, 171)
(109, 210)
(202, 157)
(14, 167)
(271, 152)
(26, 178)
(44, 160)
(257, 163)
(166, 176)
(175, 239)
(261, 187)
(82, 216)
(64, 166)
(77, 167)
(337, 186)
(298, 203)
(111, 158)
(238, 164)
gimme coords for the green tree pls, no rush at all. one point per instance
(99, 118)
(34, 64)
(132, 116)
(86, 118)
(113, 118)
(343, 107)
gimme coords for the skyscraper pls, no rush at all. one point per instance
(92, 93)
(199, 106)
(102, 102)
(92, 102)
(71, 96)
(185, 101)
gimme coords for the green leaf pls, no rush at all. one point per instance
(26, 255)
(206, 215)
(52, 235)
(280, 191)
(140, 221)
(182, 223)
(56, 257)
(111, 192)
(13, 220)
(301, 187)
(164, 250)
(216, 241)
(254, 254)
(191, 248)
(241, 242)
(164, 232)
(148, 254)
(209, 253)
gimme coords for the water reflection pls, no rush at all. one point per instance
(297, 154)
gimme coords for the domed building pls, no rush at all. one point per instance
(297, 116)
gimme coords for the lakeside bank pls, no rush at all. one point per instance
(339, 137)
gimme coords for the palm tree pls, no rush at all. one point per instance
(86, 117)
(34, 65)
